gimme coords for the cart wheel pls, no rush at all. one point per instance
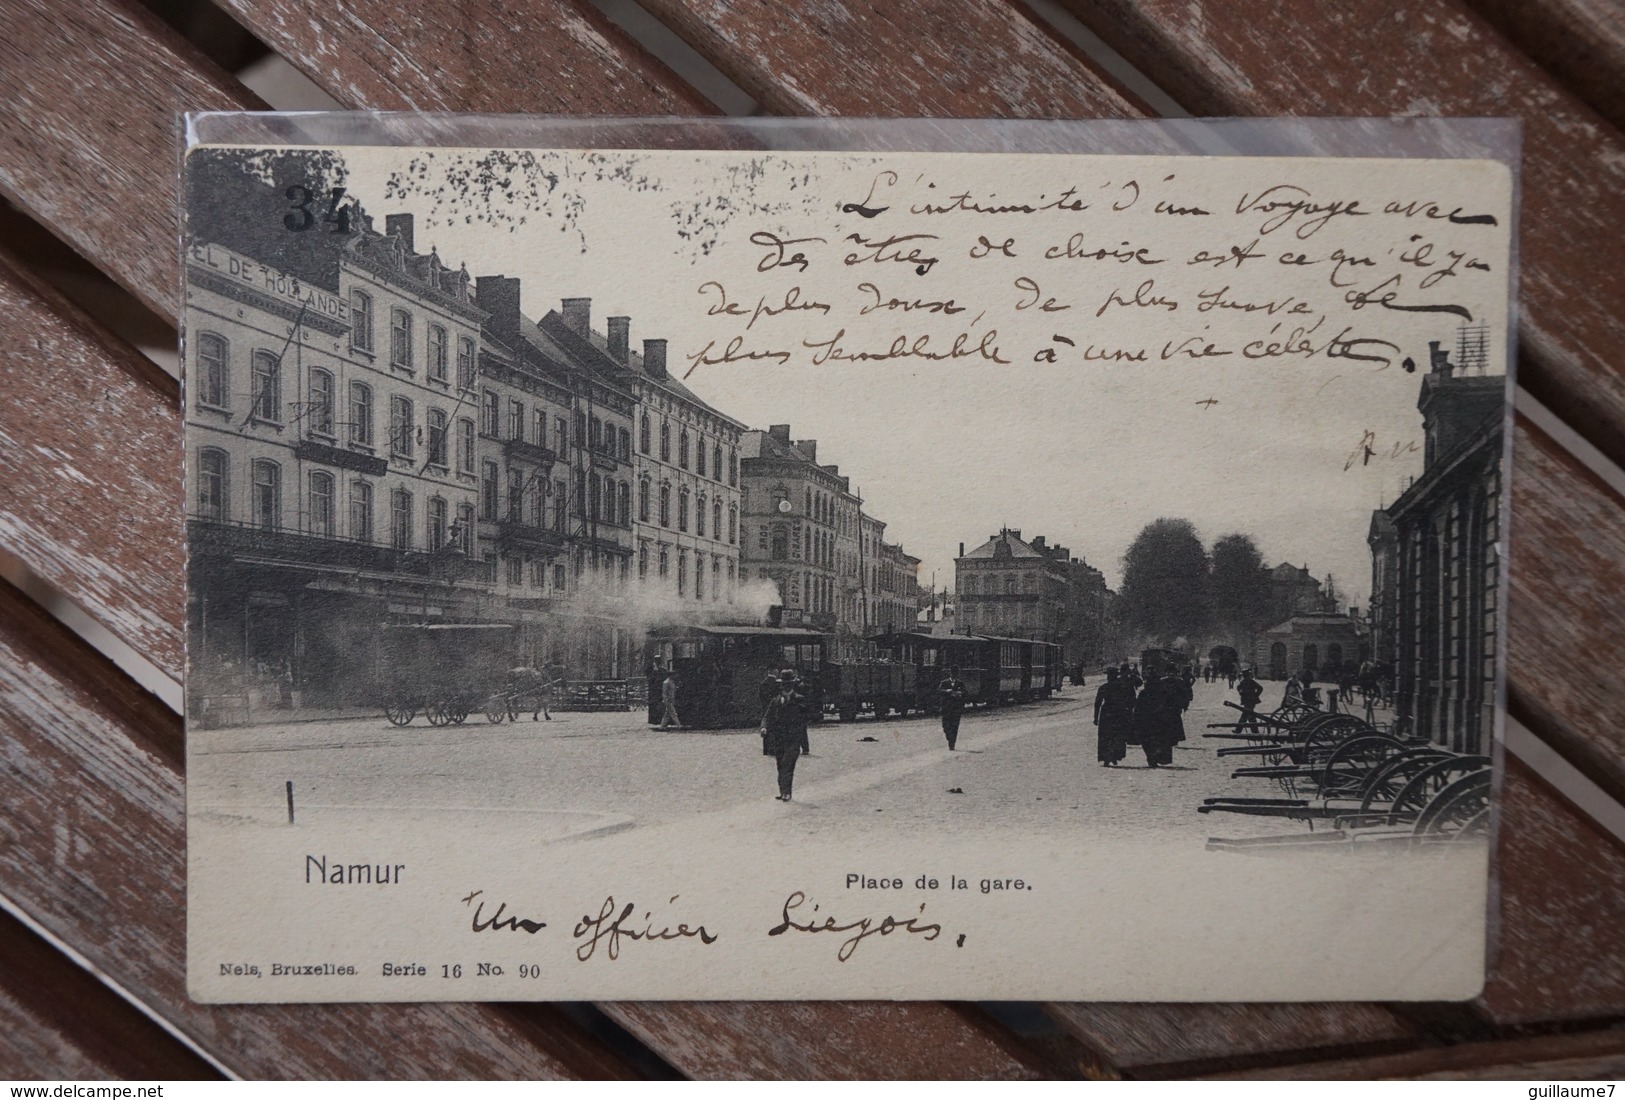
(1462, 806)
(457, 712)
(496, 710)
(399, 714)
(436, 713)
(1351, 763)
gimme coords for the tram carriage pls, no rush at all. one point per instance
(1156, 663)
(720, 669)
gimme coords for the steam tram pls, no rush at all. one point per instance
(720, 671)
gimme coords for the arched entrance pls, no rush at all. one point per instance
(1334, 660)
(1224, 659)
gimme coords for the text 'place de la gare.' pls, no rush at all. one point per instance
(382, 445)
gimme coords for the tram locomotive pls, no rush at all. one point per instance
(720, 671)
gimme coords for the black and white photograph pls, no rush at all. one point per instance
(697, 574)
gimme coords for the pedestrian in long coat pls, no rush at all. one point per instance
(1114, 719)
(953, 693)
(1179, 700)
(1156, 721)
(784, 730)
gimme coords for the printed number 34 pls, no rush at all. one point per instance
(301, 217)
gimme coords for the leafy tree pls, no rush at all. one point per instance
(1238, 587)
(1165, 575)
(244, 200)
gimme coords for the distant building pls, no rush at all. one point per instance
(1383, 540)
(896, 600)
(1294, 590)
(1011, 587)
(801, 529)
(1447, 528)
(1323, 643)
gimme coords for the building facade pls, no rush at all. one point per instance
(325, 491)
(686, 482)
(803, 528)
(1448, 530)
(1012, 587)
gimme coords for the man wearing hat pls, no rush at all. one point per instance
(784, 729)
(1251, 693)
(953, 705)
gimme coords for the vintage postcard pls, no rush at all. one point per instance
(785, 573)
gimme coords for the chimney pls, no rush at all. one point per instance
(961, 549)
(1439, 359)
(620, 337)
(1038, 544)
(808, 447)
(1015, 533)
(577, 313)
(780, 432)
(498, 295)
(654, 358)
(400, 225)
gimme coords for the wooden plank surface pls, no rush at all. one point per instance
(1175, 1040)
(940, 58)
(69, 371)
(851, 1040)
(1560, 956)
(1561, 944)
(92, 847)
(1428, 57)
(98, 362)
(508, 56)
(90, 444)
(88, 139)
(58, 1021)
(1590, 1056)
(1565, 614)
(1580, 42)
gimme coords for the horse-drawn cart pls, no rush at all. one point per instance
(443, 671)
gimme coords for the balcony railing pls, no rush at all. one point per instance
(515, 533)
(526, 451)
(237, 541)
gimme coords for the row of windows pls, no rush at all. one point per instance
(713, 471)
(991, 585)
(699, 512)
(322, 507)
(402, 338)
(590, 432)
(664, 564)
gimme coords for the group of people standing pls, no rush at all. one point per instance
(1145, 711)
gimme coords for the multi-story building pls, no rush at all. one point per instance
(327, 491)
(895, 602)
(555, 488)
(801, 529)
(1447, 527)
(1008, 586)
(685, 463)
